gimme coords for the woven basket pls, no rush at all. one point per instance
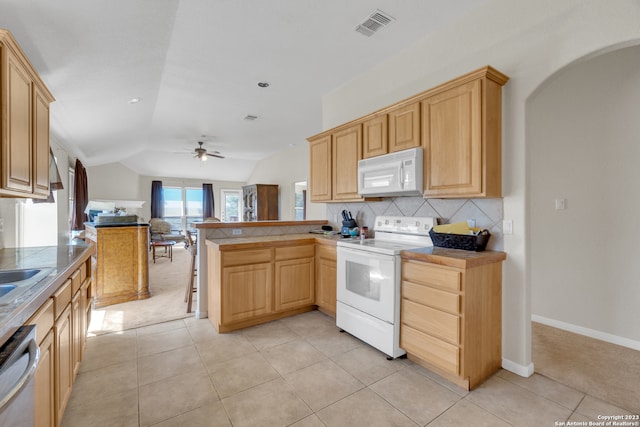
(469, 242)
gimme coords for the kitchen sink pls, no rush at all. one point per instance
(5, 289)
(14, 283)
(11, 276)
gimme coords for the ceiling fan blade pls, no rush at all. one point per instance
(215, 155)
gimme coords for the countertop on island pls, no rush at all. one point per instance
(62, 259)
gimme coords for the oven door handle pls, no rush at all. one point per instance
(34, 356)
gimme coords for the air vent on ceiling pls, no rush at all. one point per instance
(375, 22)
(250, 117)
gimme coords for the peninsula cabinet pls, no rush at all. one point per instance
(451, 316)
(461, 136)
(24, 129)
(326, 274)
(250, 286)
(294, 277)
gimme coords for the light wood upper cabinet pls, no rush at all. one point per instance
(16, 141)
(320, 169)
(404, 127)
(375, 137)
(24, 134)
(458, 123)
(461, 136)
(40, 143)
(346, 151)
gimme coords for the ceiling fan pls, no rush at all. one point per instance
(201, 153)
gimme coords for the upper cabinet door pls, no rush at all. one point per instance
(404, 128)
(320, 169)
(16, 138)
(347, 150)
(40, 143)
(374, 137)
(452, 139)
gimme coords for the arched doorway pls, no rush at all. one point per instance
(583, 198)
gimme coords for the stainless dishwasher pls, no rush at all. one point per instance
(18, 361)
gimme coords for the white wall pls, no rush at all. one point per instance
(583, 141)
(529, 41)
(113, 181)
(284, 169)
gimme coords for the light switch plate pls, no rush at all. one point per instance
(507, 226)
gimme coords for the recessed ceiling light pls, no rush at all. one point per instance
(134, 100)
(263, 84)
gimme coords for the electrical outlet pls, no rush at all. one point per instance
(471, 223)
(561, 204)
(1, 224)
(507, 226)
(236, 231)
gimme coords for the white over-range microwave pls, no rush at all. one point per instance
(395, 174)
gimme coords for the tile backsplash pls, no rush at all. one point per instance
(488, 213)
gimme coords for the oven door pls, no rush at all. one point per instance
(368, 282)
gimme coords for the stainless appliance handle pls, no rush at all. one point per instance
(34, 356)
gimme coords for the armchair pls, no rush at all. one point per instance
(161, 231)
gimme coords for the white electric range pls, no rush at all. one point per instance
(368, 280)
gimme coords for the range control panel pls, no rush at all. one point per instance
(405, 224)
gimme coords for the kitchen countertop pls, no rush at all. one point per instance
(271, 241)
(63, 259)
(453, 257)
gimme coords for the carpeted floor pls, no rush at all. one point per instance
(607, 371)
(167, 284)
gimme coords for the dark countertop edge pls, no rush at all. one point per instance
(453, 257)
(279, 223)
(220, 244)
(117, 224)
(23, 313)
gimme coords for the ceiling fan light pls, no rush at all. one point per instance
(203, 157)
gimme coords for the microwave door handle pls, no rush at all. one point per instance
(402, 175)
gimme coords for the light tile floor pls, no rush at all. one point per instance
(299, 371)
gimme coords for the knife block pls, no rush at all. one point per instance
(346, 225)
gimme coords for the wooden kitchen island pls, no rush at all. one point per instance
(120, 262)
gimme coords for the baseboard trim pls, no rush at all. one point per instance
(592, 333)
(523, 371)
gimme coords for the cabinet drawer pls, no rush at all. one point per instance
(43, 319)
(293, 252)
(432, 350)
(76, 282)
(426, 274)
(434, 322)
(326, 252)
(83, 272)
(61, 298)
(431, 297)
(252, 256)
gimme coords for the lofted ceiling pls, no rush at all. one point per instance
(196, 65)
